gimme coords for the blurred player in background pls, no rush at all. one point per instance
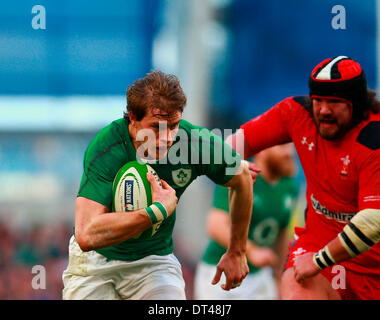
(336, 131)
(105, 261)
(275, 195)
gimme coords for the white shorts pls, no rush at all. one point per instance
(89, 276)
(256, 286)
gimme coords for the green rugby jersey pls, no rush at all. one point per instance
(196, 152)
(272, 209)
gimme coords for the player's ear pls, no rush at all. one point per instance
(132, 118)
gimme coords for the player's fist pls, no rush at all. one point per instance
(304, 266)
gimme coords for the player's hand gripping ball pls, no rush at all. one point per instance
(132, 191)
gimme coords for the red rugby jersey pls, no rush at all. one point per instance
(342, 176)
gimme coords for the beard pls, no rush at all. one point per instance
(329, 128)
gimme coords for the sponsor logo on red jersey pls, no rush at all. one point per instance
(341, 217)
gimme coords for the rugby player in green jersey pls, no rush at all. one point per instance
(275, 194)
(106, 261)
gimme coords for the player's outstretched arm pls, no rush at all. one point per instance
(238, 142)
(96, 227)
(234, 262)
(358, 236)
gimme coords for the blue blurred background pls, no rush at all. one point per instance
(59, 85)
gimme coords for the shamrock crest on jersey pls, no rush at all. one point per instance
(181, 176)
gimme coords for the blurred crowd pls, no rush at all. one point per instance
(44, 245)
(21, 249)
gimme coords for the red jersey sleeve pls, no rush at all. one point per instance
(272, 127)
(369, 182)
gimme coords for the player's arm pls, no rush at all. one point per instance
(358, 236)
(234, 261)
(238, 142)
(264, 131)
(96, 227)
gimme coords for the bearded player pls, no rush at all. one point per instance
(336, 132)
(105, 259)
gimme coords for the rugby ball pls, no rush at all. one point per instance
(132, 191)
